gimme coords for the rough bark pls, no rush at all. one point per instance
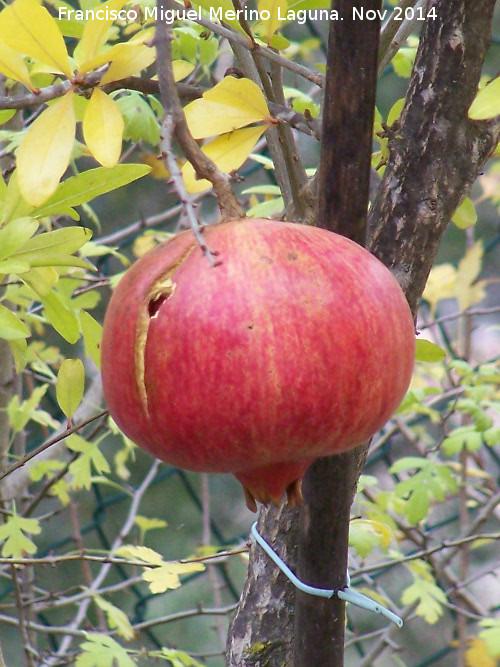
(436, 153)
(267, 599)
(436, 150)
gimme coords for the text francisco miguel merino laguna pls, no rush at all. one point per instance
(218, 14)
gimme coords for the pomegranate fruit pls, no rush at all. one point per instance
(298, 344)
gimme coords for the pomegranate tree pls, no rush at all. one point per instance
(297, 344)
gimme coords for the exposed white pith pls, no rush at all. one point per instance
(160, 291)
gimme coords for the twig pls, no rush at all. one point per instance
(296, 174)
(181, 615)
(61, 436)
(113, 560)
(395, 33)
(142, 85)
(174, 123)
(425, 553)
(138, 627)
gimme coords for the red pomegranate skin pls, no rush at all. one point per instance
(298, 344)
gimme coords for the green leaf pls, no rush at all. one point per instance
(54, 248)
(40, 469)
(408, 463)
(92, 334)
(266, 209)
(14, 235)
(70, 386)
(365, 535)
(403, 62)
(395, 111)
(491, 635)
(429, 596)
(64, 320)
(417, 505)
(465, 216)
(145, 523)
(20, 413)
(90, 457)
(431, 482)
(262, 190)
(14, 205)
(13, 533)
(11, 327)
(492, 436)
(141, 123)
(18, 348)
(462, 437)
(428, 352)
(102, 651)
(5, 116)
(83, 188)
(177, 658)
(487, 102)
(115, 617)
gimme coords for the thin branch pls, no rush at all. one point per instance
(138, 627)
(396, 32)
(84, 555)
(182, 615)
(49, 443)
(425, 553)
(187, 92)
(174, 123)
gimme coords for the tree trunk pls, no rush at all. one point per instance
(343, 187)
(436, 153)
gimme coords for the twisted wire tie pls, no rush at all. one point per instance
(348, 595)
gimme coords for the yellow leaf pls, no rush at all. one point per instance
(231, 104)
(143, 244)
(13, 66)
(477, 654)
(103, 127)
(274, 8)
(440, 285)
(127, 60)
(228, 152)
(45, 152)
(158, 169)
(28, 28)
(468, 291)
(166, 576)
(182, 69)
(95, 33)
(70, 385)
(145, 554)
